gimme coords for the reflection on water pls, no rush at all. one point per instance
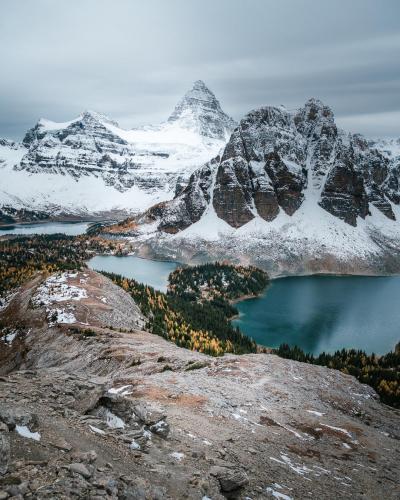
(325, 313)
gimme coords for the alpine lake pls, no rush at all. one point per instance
(317, 313)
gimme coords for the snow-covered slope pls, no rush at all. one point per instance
(90, 165)
(291, 192)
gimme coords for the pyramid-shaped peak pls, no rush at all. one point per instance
(200, 87)
(200, 111)
(199, 83)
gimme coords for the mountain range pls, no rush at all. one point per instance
(287, 190)
(291, 192)
(91, 166)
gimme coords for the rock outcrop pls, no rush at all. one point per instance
(275, 159)
(291, 193)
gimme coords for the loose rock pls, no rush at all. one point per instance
(81, 469)
(229, 479)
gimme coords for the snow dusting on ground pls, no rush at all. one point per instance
(24, 431)
(57, 289)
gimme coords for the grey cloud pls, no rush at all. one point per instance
(132, 59)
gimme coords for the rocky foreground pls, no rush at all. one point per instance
(88, 411)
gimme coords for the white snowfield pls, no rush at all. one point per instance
(53, 292)
(90, 194)
(90, 165)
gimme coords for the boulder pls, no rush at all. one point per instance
(87, 457)
(148, 415)
(161, 428)
(17, 416)
(80, 469)
(230, 479)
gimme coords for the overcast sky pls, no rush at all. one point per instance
(133, 59)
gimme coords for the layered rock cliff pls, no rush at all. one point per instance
(289, 186)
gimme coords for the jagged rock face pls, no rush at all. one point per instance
(390, 149)
(83, 147)
(288, 183)
(231, 198)
(275, 159)
(252, 176)
(315, 122)
(186, 208)
(361, 175)
(344, 195)
(200, 110)
(9, 144)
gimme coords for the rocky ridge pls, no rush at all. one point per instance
(92, 412)
(288, 184)
(275, 158)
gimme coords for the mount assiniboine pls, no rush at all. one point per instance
(291, 193)
(91, 166)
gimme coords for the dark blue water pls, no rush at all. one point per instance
(326, 313)
(151, 272)
(70, 228)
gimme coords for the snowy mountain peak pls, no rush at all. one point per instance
(201, 92)
(200, 111)
(86, 120)
(91, 165)
(279, 164)
(91, 116)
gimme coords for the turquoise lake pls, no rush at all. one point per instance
(152, 272)
(317, 313)
(325, 313)
(70, 228)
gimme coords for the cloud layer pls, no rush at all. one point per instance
(133, 60)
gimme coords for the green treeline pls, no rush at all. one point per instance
(215, 280)
(202, 326)
(380, 372)
(23, 256)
